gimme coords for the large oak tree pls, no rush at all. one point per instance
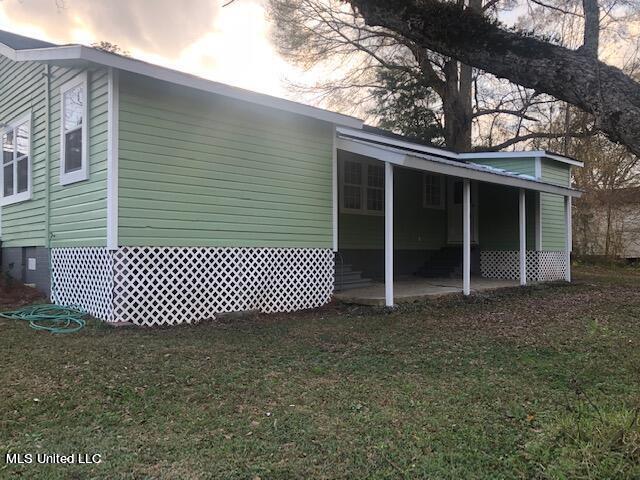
(574, 76)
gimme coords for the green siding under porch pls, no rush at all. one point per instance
(499, 218)
(419, 228)
(201, 170)
(415, 227)
(553, 228)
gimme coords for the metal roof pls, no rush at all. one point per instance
(18, 42)
(429, 159)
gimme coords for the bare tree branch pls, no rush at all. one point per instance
(604, 91)
(532, 136)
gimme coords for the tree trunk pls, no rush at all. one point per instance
(591, 38)
(457, 117)
(606, 92)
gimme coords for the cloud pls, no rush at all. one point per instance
(165, 27)
(230, 44)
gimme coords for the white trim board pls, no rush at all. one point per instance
(28, 193)
(67, 178)
(112, 159)
(428, 163)
(372, 137)
(522, 154)
(538, 168)
(80, 53)
(334, 192)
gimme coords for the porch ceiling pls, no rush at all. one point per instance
(431, 159)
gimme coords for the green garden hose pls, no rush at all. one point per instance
(51, 318)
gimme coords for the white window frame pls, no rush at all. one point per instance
(83, 172)
(364, 186)
(26, 195)
(424, 192)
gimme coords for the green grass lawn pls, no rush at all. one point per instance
(542, 382)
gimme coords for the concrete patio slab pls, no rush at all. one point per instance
(413, 289)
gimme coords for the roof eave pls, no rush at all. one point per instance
(81, 53)
(525, 154)
(437, 164)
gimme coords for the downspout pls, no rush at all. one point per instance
(47, 158)
(47, 169)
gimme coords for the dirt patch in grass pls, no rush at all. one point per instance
(14, 294)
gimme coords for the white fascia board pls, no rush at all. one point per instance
(442, 166)
(524, 154)
(361, 134)
(67, 52)
(80, 52)
(461, 171)
(7, 51)
(372, 151)
(528, 154)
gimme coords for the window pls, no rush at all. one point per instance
(73, 135)
(362, 187)
(16, 162)
(433, 191)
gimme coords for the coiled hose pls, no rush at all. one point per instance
(50, 318)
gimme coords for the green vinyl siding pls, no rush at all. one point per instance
(77, 212)
(78, 215)
(499, 218)
(552, 206)
(22, 90)
(197, 169)
(525, 166)
(553, 227)
(415, 227)
(556, 172)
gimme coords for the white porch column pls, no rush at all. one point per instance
(388, 234)
(568, 241)
(523, 239)
(466, 237)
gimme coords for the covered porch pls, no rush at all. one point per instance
(414, 221)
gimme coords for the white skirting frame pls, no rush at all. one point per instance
(172, 285)
(540, 266)
(83, 278)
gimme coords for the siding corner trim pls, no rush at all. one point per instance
(112, 159)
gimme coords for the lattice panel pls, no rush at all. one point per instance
(541, 266)
(172, 285)
(83, 277)
(552, 265)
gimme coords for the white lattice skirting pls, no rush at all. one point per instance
(541, 266)
(172, 285)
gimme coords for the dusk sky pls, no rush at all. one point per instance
(230, 44)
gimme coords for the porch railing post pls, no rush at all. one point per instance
(523, 238)
(568, 241)
(388, 234)
(466, 237)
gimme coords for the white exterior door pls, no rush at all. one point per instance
(454, 211)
